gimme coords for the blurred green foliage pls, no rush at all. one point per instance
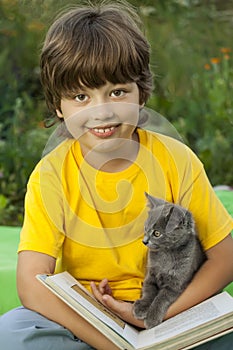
(191, 45)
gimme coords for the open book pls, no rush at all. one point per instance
(199, 324)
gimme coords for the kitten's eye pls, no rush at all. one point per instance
(157, 233)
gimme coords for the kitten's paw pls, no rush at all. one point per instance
(150, 323)
(153, 318)
(140, 309)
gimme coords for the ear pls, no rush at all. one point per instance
(154, 201)
(188, 219)
(59, 113)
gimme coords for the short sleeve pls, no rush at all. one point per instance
(212, 220)
(41, 231)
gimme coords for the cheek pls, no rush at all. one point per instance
(128, 113)
(75, 123)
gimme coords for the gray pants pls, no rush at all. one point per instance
(22, 329)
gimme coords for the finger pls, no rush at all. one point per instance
(103, 286)
(108, 290)
(96, 292)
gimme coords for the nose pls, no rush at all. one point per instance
(145, 240)
(103, 111)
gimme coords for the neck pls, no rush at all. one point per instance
(116, 160)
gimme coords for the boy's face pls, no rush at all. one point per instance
(102, 119)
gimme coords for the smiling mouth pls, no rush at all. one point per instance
(104, 131)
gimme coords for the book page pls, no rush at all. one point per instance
(85, 298)
(222, 333)
(126, 331)
(98, 305)
(86, 305)
(200, 314)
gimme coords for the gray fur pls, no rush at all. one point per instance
(174, 255)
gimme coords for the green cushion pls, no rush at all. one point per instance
(9, 238)
(227, 199)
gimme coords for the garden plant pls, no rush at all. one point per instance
(192, 61)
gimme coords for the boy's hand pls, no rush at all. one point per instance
(103, 287)
(123, 309)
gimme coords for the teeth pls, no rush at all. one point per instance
(102, 131)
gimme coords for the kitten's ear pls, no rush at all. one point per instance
(188, 219)
(154, 201)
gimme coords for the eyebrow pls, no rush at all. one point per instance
(85, 89)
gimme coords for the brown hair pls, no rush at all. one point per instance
(93, 44)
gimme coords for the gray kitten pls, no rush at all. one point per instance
(174, 255)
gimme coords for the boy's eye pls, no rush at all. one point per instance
(117, 93)
(81, 98)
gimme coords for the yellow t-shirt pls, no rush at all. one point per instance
(93, 221)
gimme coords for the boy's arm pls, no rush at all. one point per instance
(214, 275)
(36, 297)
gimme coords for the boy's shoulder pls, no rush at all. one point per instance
(54, 158)
(152, 137)
(60, 150)
(165, 146)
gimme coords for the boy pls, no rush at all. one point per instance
(85, 205)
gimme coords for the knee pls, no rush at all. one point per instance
(18, 328)
(23, 329)
(8, 320)
(8, 327)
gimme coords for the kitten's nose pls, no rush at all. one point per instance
(145, 240)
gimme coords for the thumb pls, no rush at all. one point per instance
(119, 307)
(122, 309)
(111, 303)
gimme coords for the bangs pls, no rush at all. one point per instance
(101, 56)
